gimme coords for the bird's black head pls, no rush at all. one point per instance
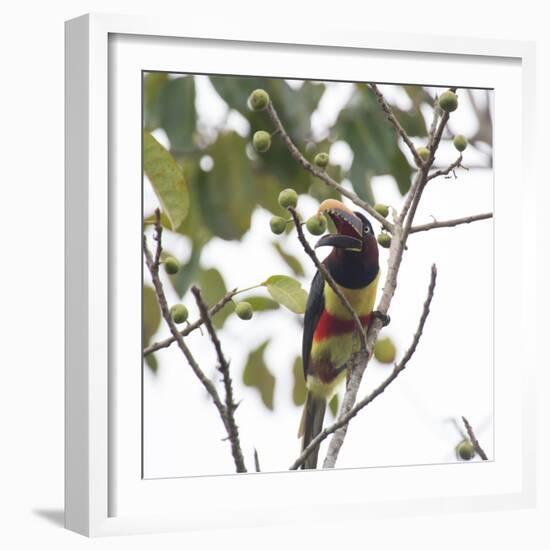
(354, 258)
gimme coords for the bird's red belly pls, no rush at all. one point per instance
(330, 325)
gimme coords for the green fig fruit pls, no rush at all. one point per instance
(384, 350)
(277, 224)
(244, 311)
(423, 153)
(288, 197)
(321, 160)
(460, 142)
(261, 141)
(382, 209)
(465, 450)
(179, 313)
(448, 101)
(171, 265)
(258, 100)
(317, 224)
(384, 240)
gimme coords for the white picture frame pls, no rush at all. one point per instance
(104, 498)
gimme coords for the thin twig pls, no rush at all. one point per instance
(473, 439)
(192, 326)
(153, 266)
(457, 163)
(223, 367)
(398, 368)
(435, 118)
(450, 223)
(328, 278)
(320, 173)
(393, 119)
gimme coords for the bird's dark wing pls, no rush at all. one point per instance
(314, 308)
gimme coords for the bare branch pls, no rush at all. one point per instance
(153, 266)
(192, 326)
(320, 173)
(223, 367)
(343, 420)
(457, 163)
(473, 439)
(393, 119)
(450, 223)
(328, 278)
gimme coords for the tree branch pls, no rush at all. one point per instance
(450, 223)
(256, 461)
(344, 420)
(473, 439)
(328, 278)
(393, 119)
(408, 211)
(223, 367)
(153, 266)
(192, 326)
(457, 163)
(320, 173)
(398, 243)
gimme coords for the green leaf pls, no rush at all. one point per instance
(167, 180)
(374, 142)
(213, 289)
(153, 84)
(226, 194)
(295, 107)
(178, 114)
(257, 375)
(261, 303)
(333, 405)
(151, 314)
(151, 362)
(290, 260)
(299, 390)
(287, 291)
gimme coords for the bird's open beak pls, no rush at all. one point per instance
(349, 227)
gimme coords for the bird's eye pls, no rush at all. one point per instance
(367, 228)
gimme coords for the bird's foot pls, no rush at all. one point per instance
(384, 317)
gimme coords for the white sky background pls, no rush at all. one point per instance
(451, 373)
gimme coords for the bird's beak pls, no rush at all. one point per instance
(349, 227)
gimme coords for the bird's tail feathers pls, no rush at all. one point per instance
(311, 425)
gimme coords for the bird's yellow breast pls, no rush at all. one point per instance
(361, 299)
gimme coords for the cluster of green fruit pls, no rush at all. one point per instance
(459, 141)
(384, 239)
(288, 198)
(448, 102)
(180, 313)
(259, 100)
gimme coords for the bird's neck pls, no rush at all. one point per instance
(353, 269)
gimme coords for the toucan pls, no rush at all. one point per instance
(328, 338)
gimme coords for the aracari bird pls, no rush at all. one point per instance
(328, 339)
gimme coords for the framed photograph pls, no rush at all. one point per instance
(290, 262)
